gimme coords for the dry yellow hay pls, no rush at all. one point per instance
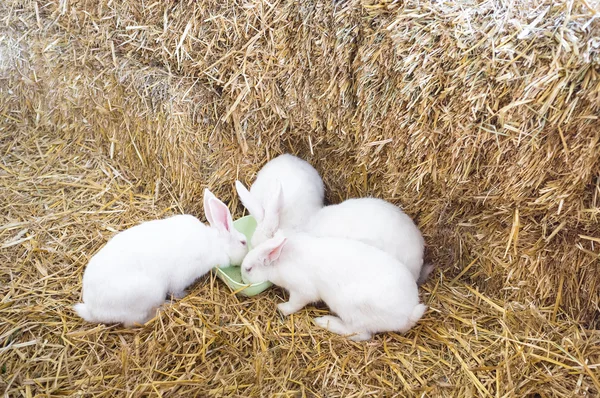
(479, 118)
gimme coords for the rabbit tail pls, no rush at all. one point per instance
(417, 313)
(83, 312)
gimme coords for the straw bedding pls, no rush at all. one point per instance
(479, 118)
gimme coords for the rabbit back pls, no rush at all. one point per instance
(375, 222)
(364, 286)
(302, 188)
(132, 274)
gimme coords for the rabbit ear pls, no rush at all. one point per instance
(220, 215)
(272, 248)
(275, 203)
(250, 203)
(207, 197)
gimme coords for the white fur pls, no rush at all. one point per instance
(130, 277)
(286, 193)
(377, 223)
(368, 290)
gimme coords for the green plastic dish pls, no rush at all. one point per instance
(232, 276)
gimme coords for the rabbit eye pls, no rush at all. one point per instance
(244, 242)
(248, 269)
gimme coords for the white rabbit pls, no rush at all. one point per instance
(369, 290)
(377, 223)
(286, 193)
(133, 273)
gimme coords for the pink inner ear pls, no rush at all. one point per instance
(275, 252)
(221, 213)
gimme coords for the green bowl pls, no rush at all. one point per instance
(232, 276)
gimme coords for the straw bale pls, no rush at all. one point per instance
(480, 119)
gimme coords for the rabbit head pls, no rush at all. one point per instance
(219, 218)
(260, 261)
(266, 214)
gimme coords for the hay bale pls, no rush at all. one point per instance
(481, 121)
